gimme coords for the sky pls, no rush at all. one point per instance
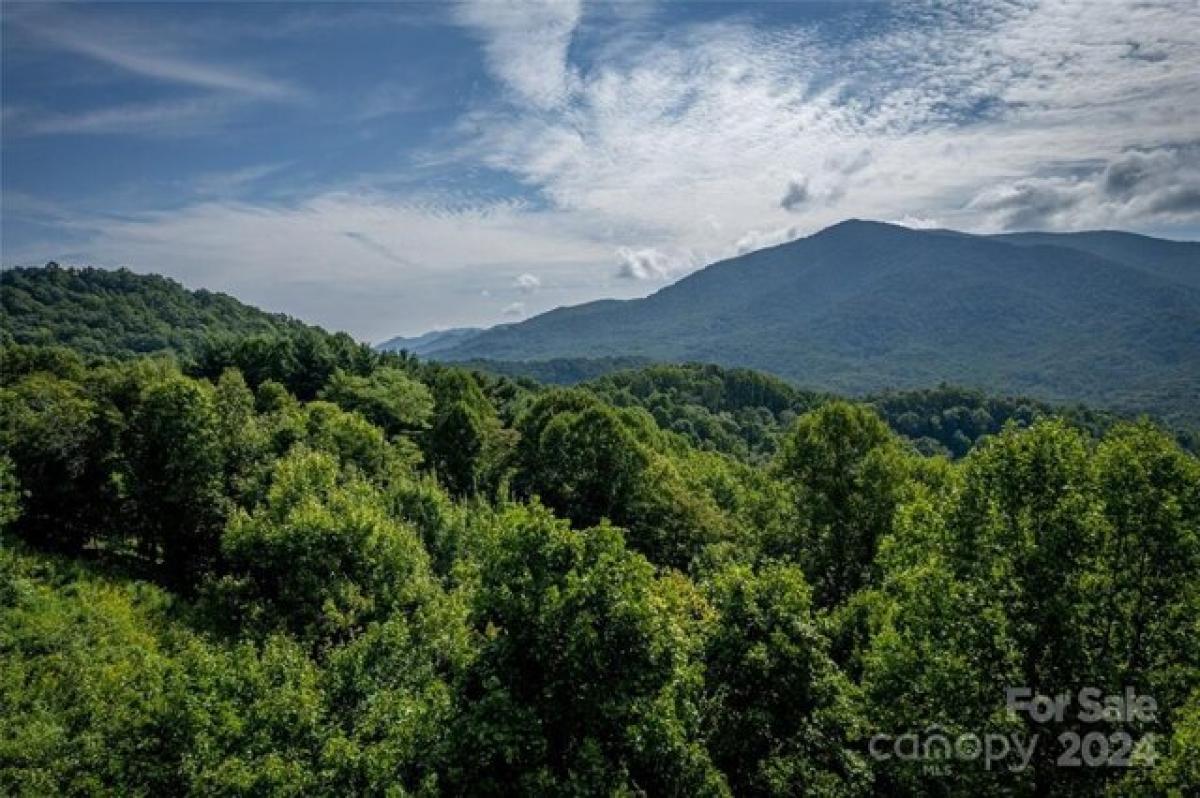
(388, 169)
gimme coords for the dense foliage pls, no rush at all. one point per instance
(556, 371)
(745, 413)
(419, 580)
(284, 564)
(120, 313)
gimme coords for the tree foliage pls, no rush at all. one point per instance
(290, 566)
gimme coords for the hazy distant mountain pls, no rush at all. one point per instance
(1109, 318)
(1174, 260)
(558, 371)
(430, 343)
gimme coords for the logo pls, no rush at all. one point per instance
(1089, 706)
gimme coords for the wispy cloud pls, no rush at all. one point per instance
(649, 151)
(227, 183)
(526, 45)
(696, 137)
(204, 95)
(149, 60)
(170, 118)
(357, 261)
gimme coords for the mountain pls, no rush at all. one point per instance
(1173, 260)
(430, 343)
(122, 314)
(557, 371)
(1108, 318)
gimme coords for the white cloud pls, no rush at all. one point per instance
(649, 263)
(526, 45)
(673, 151)
(109, 46)
(717, 119)
(759, 239)
(1159, 183)
(357, 261)
(527, 283)
(918, 222)
(167, 118)
(210, 93)
(221, 184)
(849, 163)
(514, 310)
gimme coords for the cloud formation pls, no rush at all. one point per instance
(109, 46)
(190, 117)
(945, 104)
(1161, 182)
(642, 264)
(670, 143)
(526, 43)
(357, 261)
(760, 239)
(527, 283)
(796, 195)
(204, 93)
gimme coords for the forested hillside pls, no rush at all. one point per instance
(1108, 319)
(285, 564)
(120, 313)
(743, 413)
(556, 371)
(1176, 261)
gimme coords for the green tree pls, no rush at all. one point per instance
(350, 438)
(321, 556)
(17, 361)
(447, 528)
(388, 398)
(84, 684)
(989, 586)
(848, 473)
(1177, 774)
(941, 653)
(175, 469)
(1146, 587)
(394, 690)
(587, 681)
(466, 443)
(10, 494)
(590, 463)
(782, 717)
(253, 719)
(589, 466)
(51, 430)
(244, 439)
(578, 457)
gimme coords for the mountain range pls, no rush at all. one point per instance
(1105, 317)
(431, 343)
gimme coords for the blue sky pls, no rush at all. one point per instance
(392, 168)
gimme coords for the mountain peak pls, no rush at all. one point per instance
(856, 226)
(865, 305)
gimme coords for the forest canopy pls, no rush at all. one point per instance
(276, 562)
